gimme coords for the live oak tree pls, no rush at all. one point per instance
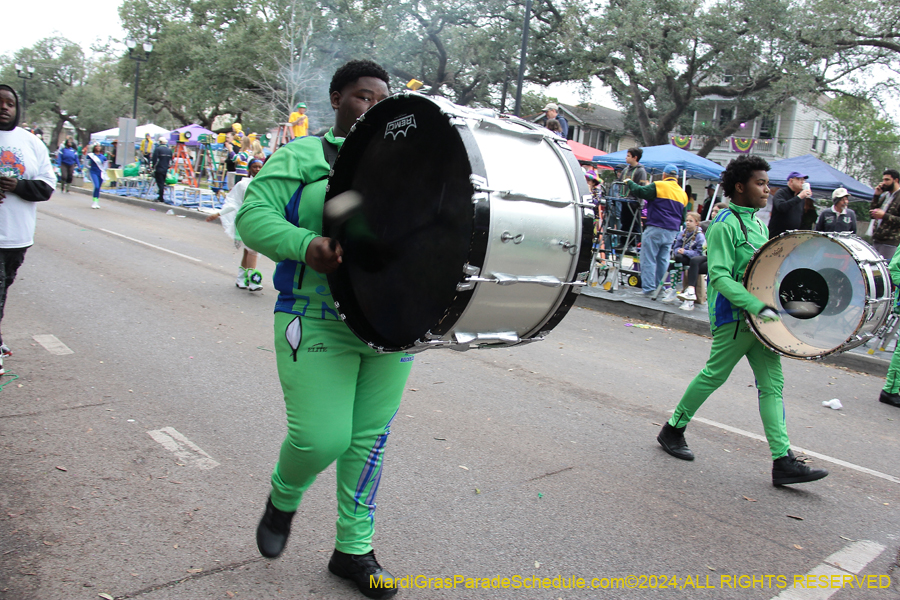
(867, 142)
(661, 58)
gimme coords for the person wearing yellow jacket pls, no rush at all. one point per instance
(732, 240)
(666, 203)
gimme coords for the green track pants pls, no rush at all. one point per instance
(727, 349)
(892, 380)
(340, 397)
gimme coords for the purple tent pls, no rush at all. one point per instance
(195, 130)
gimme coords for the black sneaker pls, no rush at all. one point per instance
(273, 530)
(892, 399)
(363, 570)
(672, 441)
(788, 469)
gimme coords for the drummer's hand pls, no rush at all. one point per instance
(321, 258)
(680, 251)
(768, 315)
(8, 184)
(212, 217)
(876, 213)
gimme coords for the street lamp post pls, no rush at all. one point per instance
(24, 73)
(135, 55)
(523, 58)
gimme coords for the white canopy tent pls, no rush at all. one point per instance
(154, 130)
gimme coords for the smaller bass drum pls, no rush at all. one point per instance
(832, 291)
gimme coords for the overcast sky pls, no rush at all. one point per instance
(83, 23)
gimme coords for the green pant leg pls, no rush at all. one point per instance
(318, 379)
(766, 367)
(724, 354)
(892, 380)
(380, 384)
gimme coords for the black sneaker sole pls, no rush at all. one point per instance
(670, 452)
(376, 594)
(803, 479)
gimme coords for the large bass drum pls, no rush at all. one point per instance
(832, 290)
(471, 231)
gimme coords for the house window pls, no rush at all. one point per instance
(766, 128)
(725, 116)
(816, 130)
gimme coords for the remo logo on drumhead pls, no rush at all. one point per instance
(401, 125)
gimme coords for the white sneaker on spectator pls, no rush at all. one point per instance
(96, 204)
(668, 295)
(687, 305)
(241, 280)
(688, 294)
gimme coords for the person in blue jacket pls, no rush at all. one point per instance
(67, 158)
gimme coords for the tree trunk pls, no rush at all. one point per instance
(729, 129)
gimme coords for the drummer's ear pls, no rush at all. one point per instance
(335, 100)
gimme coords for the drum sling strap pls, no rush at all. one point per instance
(747, 241)
(330, 150)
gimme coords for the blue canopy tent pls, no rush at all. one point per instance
(655, 159)
(822, 177)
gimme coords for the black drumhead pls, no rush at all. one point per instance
(406, 246)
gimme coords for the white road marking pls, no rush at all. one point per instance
(825, 457)
(152, 245)
(184, 449)
(52, 344)
(848, 560)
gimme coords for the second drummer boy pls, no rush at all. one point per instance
(732, 239)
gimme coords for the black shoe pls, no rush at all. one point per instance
(892, 399)
(672, 441)
(273, 530)
(788, 469)
(370, 578)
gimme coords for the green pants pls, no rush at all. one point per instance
(892, 381)
(727, 349)
(340, 397)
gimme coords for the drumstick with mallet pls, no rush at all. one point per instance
(339, 210)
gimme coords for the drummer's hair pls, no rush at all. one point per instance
(636, 152)
(740, 170)
(353, 70)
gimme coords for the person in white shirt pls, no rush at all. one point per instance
(249, 278)
(26, 177)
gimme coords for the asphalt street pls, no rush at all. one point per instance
(141, 415)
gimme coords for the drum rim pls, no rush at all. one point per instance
(838, 238)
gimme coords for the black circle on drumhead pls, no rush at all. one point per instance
(803, 293)
(406, 247)
(840, 290)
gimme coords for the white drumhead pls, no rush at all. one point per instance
(822, 285)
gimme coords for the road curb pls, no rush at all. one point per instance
(194, 214)
(853, 361)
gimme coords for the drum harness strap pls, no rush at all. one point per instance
(737, 323)
(330, 151)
